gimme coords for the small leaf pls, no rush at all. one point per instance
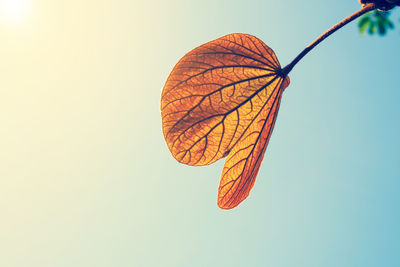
(363, 23)
(390, 24)
(376, 22)
(372, 28)
(381, 29)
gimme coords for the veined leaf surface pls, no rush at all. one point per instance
(221, 99)
(243, 162)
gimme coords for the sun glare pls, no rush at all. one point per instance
(14, 11)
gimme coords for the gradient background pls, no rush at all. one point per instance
(86, 178)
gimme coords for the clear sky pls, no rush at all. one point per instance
(86, 178)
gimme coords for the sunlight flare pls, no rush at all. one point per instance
(14, 11)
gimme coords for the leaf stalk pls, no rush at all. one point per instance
(364, 9)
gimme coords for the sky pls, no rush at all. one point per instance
(86, 178)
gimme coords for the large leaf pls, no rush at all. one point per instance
(222, 99)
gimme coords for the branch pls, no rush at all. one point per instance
(366, 8)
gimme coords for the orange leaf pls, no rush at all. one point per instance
(222, 99)
(243, 162)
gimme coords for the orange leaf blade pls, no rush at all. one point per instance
(213, 95)
(243, 162)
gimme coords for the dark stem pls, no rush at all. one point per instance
(366, 8)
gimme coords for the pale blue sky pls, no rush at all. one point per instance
(86, 178)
